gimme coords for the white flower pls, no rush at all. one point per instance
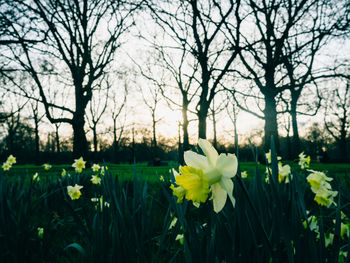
(79, 164)
(36, 177)
(74, 191)
(95, 179)
(95, 167)
(244, 174)
(304, 161)
(11, 159)
(47, 166)
(218, 171)
(6, 166)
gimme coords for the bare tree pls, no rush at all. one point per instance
(37, 117)
(116, 111)
(98, 106)
(164, 68)
(199, 28)
(152, 103)
(80, 40)
(280, 48)
(337, 115)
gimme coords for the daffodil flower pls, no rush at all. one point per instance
(283, 172)
(74, 191)
(95, 179)
(63, 173)
(47, 166)
(244, 174)
(40, 232)
(6, 166)
(212, 170)
(79, 164)
(11, 159)
(304, 161)
(95, 167)
(36, 177)
(320, 185)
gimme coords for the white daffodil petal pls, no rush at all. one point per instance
(227, 185)
(196, 160)
(209, 151)
(227, 165)
(219, 197)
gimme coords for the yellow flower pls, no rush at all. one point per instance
(323, 190)
(180, 238)
(79, 164)
(40, 232)
(95, 179)
(95, 167)
(325, 197)
(244, 174)
(161, 178)
(47, 166)
(217, 170)
(11, 159)
(304, 161)
(36, 177)
(74, 191)
(6, 166)
(64, 173)
(283, 172)
(194, 183)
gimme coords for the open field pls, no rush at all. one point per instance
(153, 173)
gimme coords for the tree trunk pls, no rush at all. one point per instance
(185, 143)
(58, 147)
(37, 138)
(80, 147)
(154, 141)
(214, 128)
(95, 139)
(296, 139)
(202, 120)
(115, 143)
(271, 128)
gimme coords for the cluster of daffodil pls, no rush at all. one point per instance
(79, 165)
(283, 170)
(320, 186)
(96, 179)
(11, 160)
(304, 161)
(312, 222)
(204, 175)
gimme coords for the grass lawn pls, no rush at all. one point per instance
(152, 173)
